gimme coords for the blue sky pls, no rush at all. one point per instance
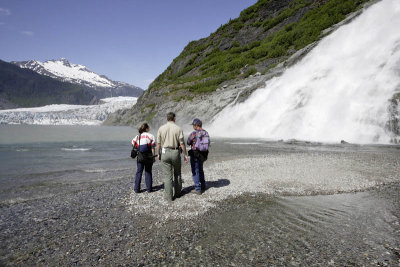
(127, 40)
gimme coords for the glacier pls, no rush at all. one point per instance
(62, 114)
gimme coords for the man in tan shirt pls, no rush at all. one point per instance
(169, 140)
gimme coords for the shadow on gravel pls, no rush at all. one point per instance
(209, 184)
(157, 187)
(153, 189)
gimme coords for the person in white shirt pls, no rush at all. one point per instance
(145, 143)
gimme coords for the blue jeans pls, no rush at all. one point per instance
(198, 174)
(148, 176)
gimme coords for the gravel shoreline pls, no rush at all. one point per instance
(233, 223)
(274, 175)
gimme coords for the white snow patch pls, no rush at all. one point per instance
(69, 72)
(75, 72)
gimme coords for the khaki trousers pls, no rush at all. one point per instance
(171, 163)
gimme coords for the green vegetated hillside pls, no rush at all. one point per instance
(26, 88)
(264, 35)
(259, 38)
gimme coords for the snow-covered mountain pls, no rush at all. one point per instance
(67, 114)
(65, 71)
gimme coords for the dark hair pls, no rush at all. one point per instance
(170, 116)
(143, 128)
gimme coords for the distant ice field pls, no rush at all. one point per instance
(62, 114)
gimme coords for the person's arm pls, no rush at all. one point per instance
(159, 144)
(192, 139)
(182, 142)
(134, 143)
(159, 151)
(185, 157)
(152, 145)
(209, 140)
(189, 140)
(153, 153)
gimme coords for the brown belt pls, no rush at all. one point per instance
(172, 148)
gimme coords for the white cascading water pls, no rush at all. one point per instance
(339, 91)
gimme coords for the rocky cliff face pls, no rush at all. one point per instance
(204, 106)
(393, 124)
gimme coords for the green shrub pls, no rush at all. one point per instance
(151, 105)
(235, 64)
(150, 116)
(254, 44)
(249, 72)
(178, 98)
(277, 51)
(257, 24)
(258, 52)
(237, 26)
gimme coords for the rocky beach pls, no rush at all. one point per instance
(267, 203)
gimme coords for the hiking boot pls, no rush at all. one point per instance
(196, 192)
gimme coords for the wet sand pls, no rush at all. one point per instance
(265, 204)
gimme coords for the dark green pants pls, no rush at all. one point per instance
(171, 163)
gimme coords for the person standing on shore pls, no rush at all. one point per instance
(199, 140)
(145, 144)
(170, 144)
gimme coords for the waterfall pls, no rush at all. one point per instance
(341, 90)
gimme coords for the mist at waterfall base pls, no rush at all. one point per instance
(340, 91)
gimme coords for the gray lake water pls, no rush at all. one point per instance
(357, 225)
(40, 161)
